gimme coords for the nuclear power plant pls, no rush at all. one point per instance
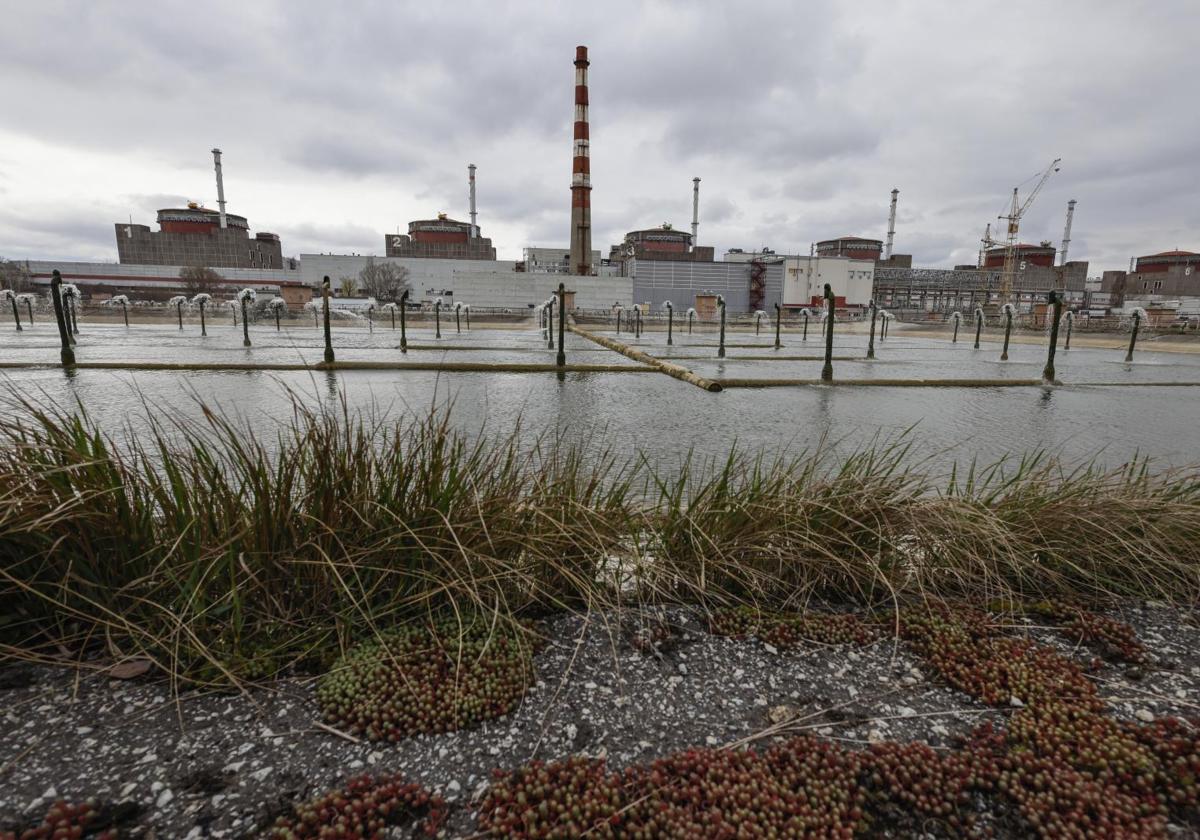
(452, 259)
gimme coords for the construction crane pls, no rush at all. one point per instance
(1015, 214)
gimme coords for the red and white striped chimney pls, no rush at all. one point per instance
(581, 174)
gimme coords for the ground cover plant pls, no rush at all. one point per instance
(64, 819)
(1060, 766)
(365, 807)
(415, 679)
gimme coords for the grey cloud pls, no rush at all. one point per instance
(800, 117)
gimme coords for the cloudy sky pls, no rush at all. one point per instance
(343, 121)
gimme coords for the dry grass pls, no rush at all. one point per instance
(221, 552)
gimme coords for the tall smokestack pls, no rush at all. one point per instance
(220, 184)
(695, 210)
(1067, 230)
(581, 174)
(887, 251)
(471, 179)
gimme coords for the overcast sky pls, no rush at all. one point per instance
(343, 121)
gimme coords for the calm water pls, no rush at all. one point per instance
(632, 412)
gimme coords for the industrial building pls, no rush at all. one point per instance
(483, 284)
(1168, 280)
(442, 238)
(746, 286)
(850, 280)
(99, 281)
(552, 261)
(660, 243)
(854, 247)
(965, 287)
(1026, 255)
(195, 235)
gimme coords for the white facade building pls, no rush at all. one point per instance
(804, 279)
(481, 283)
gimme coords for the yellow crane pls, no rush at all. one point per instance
(1015, 213)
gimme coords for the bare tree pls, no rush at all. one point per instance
(14, 275)
(347, 287)
(198, 278)
(383, 281)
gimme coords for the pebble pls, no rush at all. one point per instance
(1144, 715)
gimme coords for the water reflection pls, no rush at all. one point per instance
(653, 413)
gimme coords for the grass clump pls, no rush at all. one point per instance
(224, 550)
(365, 807)
(426, 679)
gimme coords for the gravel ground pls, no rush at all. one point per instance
(224, 765)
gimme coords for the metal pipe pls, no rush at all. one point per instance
(1066, 244)
(778, 315)
(561, 358)
(670, 323)
(550, 324)
(66, 353)
(245, 320)
(871, 340)
(1137, 320)
(1070, 316)
(721, 346)
(1008, 321)
(325, 310)
(216, 153)
(29, 308)
(978, 325)
(403, 331)
(125, 314)
(891, 234)
(827, 370)
(12, 298)
(437, 317)
(471, 182)
(1055, 314)
(204, 328)
(695, 210)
